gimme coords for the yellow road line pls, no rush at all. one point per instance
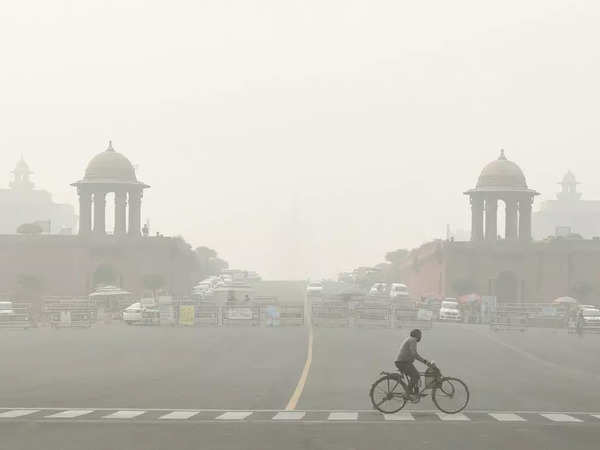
(300, 386)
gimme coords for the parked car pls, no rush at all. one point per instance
(6, 308)
(399, 291)
(591, 316)
(137, 313)
(449, 310)
(379, 289)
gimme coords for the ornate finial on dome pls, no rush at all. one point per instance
(502, 156)
(110, 147)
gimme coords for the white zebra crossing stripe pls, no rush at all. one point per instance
(124, 414)
(597, 416)
(561, 418)
(343, 416)
(453, 417)
(399, 416)
(181, 415)
(17, 413)
(289, 415)
(70, 414)
(234, 415)
(507, 417)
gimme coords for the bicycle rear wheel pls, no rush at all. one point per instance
(451, 395)
(388, 394)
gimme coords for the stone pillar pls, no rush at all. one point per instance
(120, 213)
(85, 212)
(491, 219)
(135, 213)
(100, 212)
(512, 220)
(525, 219)
(476, 218)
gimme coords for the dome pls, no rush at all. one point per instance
(110, 166)
(569, 178)
(502, 174)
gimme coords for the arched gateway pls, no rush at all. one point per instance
(110, 172)
(501, 180)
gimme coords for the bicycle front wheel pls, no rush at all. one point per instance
(388, 395)
(451, 395)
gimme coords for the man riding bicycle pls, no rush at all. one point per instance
(406, 358)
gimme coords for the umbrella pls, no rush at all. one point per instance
(570, 300)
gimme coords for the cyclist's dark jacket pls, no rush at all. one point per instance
(408, 351)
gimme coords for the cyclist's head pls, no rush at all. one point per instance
(416, 333)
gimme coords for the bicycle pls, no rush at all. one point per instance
(389, 393)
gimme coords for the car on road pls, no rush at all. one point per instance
(379, 289)
(6, 308)
(449, 310)
(398, 290)
(314, 288)
(138, 313)
(591, 316)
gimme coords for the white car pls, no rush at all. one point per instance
(6, 308)
(399, 291)
(378, 289)
(140, 314)
(449, 310)
(591, 316)
(314, 288)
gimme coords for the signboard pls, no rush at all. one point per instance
(186, 314)
(239, 313)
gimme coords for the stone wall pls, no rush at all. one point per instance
(65, 264)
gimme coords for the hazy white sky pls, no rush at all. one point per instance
(302, 138)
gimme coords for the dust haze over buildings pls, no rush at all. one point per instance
(306, 138)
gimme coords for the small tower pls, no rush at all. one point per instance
(21, 180)
(501, 180)
(569, 188)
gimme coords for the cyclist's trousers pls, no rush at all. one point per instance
(412, 372)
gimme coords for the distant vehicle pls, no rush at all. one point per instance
(399, 291)
(449, 310)
(138, 313)
(591, 316)
(379, 289)
(314, 288)
(6, 308)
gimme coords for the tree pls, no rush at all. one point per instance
(29, 228)
(463, 286)
(104, 274)
(153, 282)
(397, 256)
(208, 262)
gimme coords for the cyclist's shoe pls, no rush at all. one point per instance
(412, 397)
(423, 394)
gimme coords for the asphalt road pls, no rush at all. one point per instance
(228, 384)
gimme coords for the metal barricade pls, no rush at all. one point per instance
(207, 314)
(70, 313)
(18, 316)
(330, 315)
(508, 320)
(411, 317)
(290, 315)
(372, 316)
(240, 315)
